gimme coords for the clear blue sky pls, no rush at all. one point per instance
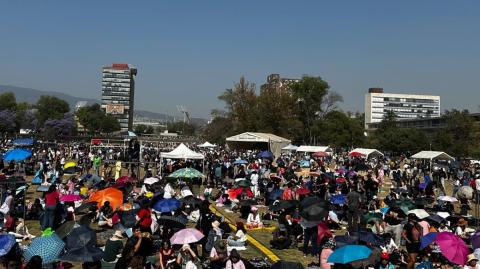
(188, 52)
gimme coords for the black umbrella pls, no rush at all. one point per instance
(312, 200)
(421, 201)
(128, 218)
(81, 246)
(369, 237)
(85, 207)
(244, 183)
(435, 218)
(65, 229)
(314, 212)
(282, 204)
(343, 240)
(248, 202)
(373, 259)
(191, 200)
(287, 265)
(71, 170)
(172, 221)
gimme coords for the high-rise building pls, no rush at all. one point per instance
(405, 106)
(274, 81)
(118, 92)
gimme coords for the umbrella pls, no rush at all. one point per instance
(240, 162)
(447, 199)
(422, 201)
(349, 253)
(69, 164)
(172, 221)
(314, 213)
(6, 243)
(47, 247)
(275, 194)
(85, 207)
(343, 240)
(65, 229)
(420, 213)
(384, 210)
(373, 259)
(427, 239)
(281, 204)
(244, 183)
(475, 240)
(43, 188)
(114, 196)
(372, 216)
(452, 247)
(167, 205)
(369, 237)
(123, 179)
(340, 180)
(150, 180)
(186, 236)
(341, 170)
(303, 191)
(265, 155)
(191, 200)
(356, 154)
(443, 214)
(23, 142)
(476, 252)
(234, 193)
(308, 201)
(435, 218)
(400, 190)
(71, 170)
(81, 246)
(320, 154)
(405, 205)
(333, 216)
(186, 173)
(465, 192)
(20, 189)
(304, 164)
(248, 202)
(17, 155)
(128, 218)
(70, 198)
(338, 199)
(287, 265)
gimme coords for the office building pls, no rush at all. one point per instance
(405, 106)
(274, 81)
(118, 93)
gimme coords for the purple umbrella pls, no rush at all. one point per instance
(475, 240)
(186, 236)
(70, 198)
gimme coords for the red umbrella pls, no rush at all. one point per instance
(234, 193)
(124, 179)
(356, 154)
(303, 191)
(320, 154)
(323, 231)
(341, 180)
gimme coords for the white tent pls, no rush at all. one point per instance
(182, 152)
(264, 141)
(290, 147)
(314, 149)
(206, 145)
(367, 152)
(433, 155)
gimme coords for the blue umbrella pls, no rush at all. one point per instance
(275, 194)
(17, 155)
(167, 205)
(23, 142)
(6, 243)
(240, 162)
(265, 155)
(338, 199)
(47, 247)
(384, 210)
(349, 254)
(304, 164)
(427, 239)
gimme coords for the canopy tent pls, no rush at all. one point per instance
(262, 141)
(182, 152)
(290, 147)
(206, 145)
(23, 142)
(433, 155)
(314, 149)
(367, 152)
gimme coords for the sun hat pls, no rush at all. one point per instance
(471, 257)
(254, 208)
(462, 222)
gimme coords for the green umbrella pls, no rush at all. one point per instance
(372, 216)
(405, 205)
(186, 173)
(244, 183)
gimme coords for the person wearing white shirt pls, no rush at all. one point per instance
(253, 219)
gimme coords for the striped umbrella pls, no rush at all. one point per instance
(47, 247)
(186, 173)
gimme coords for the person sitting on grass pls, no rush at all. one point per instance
(240, 237)
(281, 240)
(253, 219)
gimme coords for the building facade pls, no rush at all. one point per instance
(118, 93)
(275, 82)
(405, 106)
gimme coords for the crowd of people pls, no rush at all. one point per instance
(398, 208)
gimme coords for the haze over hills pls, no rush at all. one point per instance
(32, 95)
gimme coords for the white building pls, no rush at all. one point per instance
(118, 93)
(405, 106)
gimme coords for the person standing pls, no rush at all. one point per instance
(51, 200)
(354, 200)
(412, 232)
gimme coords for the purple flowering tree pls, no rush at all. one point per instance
(60, 128)
(7, 121)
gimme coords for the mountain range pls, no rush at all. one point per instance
(32, 95)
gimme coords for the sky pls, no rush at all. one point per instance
(188, 52)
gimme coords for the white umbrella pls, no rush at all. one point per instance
(150, 180)
(240, 179)
(447, 199)
(333, 216)
(443, 214)
(420, 213)
(465, 192)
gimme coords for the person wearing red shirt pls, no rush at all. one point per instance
(51, 201)
(144, 219)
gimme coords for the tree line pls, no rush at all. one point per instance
(307, 113)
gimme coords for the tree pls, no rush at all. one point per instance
(110, 124)
(7, 121)
(140, 129)
(218, 130)
(60, 128)
(51, 107)
(94, 119)
(339, 130)
(8, 101)
(309, 94)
